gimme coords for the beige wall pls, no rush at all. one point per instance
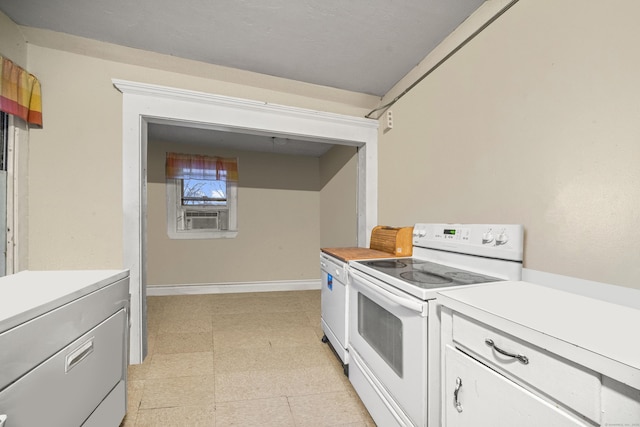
(12, 43)
(76, 159)
(278, 220)
(536, 121)
(338, 197)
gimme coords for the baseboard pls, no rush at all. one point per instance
(224, 288)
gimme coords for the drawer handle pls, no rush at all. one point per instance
(78, 355)
(520, 357)
(456, 402)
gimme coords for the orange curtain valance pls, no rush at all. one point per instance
(20, 93)
(195, 166)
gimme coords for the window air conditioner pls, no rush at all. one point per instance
(201, 220)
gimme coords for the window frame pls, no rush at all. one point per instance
(174, 207)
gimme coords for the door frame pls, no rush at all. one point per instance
(145, 103)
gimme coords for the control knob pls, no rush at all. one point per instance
(487, 237)
(502, 238)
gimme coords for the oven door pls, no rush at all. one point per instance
(388, 331)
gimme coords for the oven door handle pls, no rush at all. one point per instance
(382, 291)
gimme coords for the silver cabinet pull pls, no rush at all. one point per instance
(78, 355)
(456, 402)
(522, 358)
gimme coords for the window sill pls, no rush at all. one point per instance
(182, 235)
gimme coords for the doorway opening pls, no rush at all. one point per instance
(145, 104)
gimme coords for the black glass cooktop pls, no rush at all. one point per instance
(427, 274)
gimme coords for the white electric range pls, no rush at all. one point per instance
(394, 322)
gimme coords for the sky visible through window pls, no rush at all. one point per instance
(200, 192)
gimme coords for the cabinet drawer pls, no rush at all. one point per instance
(66, 388)
(562, 380)
(29, 344)
(478, 396)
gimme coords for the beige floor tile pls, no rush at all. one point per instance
(151, 343)
(318, 331)
(314, 318)
(182, 416)
(129, 419)
(139, 372)
(196, 323)
(188, 305)
(260, 338)
(261, 304)
(326, 409)
(311, 300)
(263, 348)
(244, 385)
(183, 391)
(214, 298)
(154, 302)
(297, 337)
(259, 321)
(153, 324)
(236, 339)
(134, 395)
(250, 385)
(259, 413)
(323, 379)
(180, 365)
(187, 342)
(270, 358)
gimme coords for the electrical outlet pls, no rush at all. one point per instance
(388, 121)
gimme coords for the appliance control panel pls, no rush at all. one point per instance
(493, 240)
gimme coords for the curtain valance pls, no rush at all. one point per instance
(195, 166)
(20, 93)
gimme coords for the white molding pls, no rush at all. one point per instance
(176, 94)
(233, 288)
(144, 103)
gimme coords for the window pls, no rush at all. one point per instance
(201, 196)
(4, 139)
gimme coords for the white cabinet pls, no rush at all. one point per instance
(514, 353)
(477, 396)
(64, 348)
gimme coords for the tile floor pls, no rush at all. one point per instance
(252, 359)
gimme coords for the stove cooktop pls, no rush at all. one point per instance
(427, 274)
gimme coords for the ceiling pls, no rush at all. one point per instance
(364, 46)
(232, 140)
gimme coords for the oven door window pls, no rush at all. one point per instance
(382, 331)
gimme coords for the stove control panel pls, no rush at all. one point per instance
(492, 240)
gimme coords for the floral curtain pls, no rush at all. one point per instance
(20, 93)
(195, 166)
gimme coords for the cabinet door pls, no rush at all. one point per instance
(477, 396)
(64, 390)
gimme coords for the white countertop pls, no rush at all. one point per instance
(28, 294)
(599, 327)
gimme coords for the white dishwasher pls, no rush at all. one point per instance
(334, 303)
(64, 341)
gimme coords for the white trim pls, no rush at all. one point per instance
(145, 103)
(11, 242)
(173, 204)
(232, 288)
(17, 152)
